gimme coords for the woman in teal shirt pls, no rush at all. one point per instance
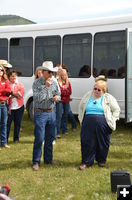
(98, 112)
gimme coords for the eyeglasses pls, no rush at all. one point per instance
(99, 90)
(1, 70)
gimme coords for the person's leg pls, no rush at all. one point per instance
(65, 117)
(88, 140)
(18, 114)
(3, 124)
(103, 133)
(9, 121)
(40, 120)
(72, 119)
(59, 110)
(49, 137)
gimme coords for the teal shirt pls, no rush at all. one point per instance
(94, 106)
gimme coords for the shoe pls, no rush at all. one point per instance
(58, 136)
(74, 129)
(101, 164)
(6, 146)
(35, 167)
(82, 166)
(54, 142)
(49, 162)
(16, 141)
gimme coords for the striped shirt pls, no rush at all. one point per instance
(43, 96)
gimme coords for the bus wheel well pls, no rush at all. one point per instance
(28, 103)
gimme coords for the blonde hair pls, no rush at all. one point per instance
(100, 77)
(102, 84)
(39, 68)
(60, 80)
(4, 73)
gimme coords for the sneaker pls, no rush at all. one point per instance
(58, 136)
(101, 164)
(6, 146)
(35, 167)
(54, 142)
(49, 162)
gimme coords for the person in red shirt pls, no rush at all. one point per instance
(5, 91)
(65, 88)
(16, 104)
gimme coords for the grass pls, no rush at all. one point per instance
(63, 180)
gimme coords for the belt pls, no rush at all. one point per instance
(2, 102)
(43, 110)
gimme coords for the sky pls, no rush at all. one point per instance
(43, 11)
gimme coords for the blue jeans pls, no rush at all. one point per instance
(44, 129)
(16, 116)
(3, 124)
(63, 109)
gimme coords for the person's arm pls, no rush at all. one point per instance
(57, 93)
(7, 89)
(66, 91)
(20, 92)
(115, 109)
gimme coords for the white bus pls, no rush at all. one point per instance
(88, 48)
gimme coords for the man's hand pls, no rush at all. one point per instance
(55, 98)
(48, 82)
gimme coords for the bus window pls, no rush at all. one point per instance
(77, 54)
(109, 54)
(21, 55)
(4, 49)
(47, 48)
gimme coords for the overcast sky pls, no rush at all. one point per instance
(64, 10)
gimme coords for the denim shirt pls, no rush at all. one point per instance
(43, 96)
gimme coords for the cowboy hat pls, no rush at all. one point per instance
(5, 63)
(48, 66)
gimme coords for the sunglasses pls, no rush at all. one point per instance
(49, 72)
(1, 70)
(99, 90)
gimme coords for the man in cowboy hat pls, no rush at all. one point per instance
(45, 95)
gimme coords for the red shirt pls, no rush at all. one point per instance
(65, 92)
(5, 89)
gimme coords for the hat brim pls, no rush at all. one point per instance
(8, 65)
(49, 69)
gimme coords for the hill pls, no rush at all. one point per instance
(13, 20)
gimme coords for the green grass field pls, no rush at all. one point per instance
(63, 180)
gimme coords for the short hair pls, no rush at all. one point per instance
(12, 72)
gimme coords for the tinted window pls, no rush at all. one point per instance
(47, 48)
(77, 54)
(4, 49)
(21, 55)
(109, 54)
